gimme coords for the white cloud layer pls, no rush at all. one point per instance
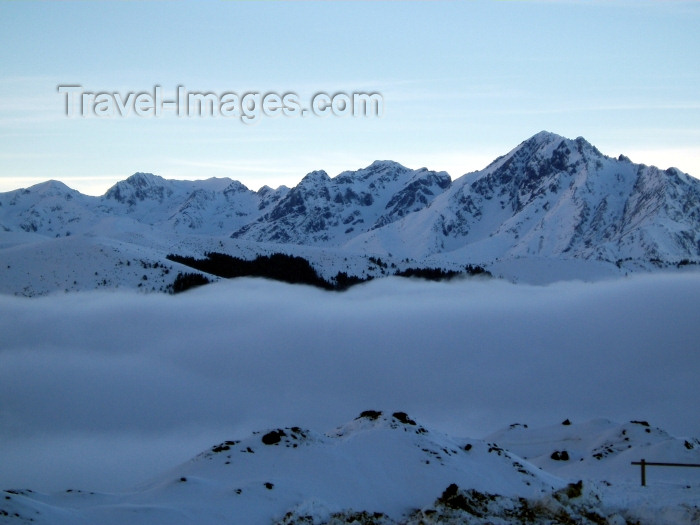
(102, 390)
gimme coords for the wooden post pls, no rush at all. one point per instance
(643, 464)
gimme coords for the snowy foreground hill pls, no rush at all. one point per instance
(386, 468)
(550, 209)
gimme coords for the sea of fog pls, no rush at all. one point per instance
(103, 390)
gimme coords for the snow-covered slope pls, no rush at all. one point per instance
(387, 468)
(34, 265)
(601, 449)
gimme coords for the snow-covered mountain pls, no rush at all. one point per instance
(321, 210)
(386, 468)
(49, 208)
(551, 208)
(555, 197)
(209, 206)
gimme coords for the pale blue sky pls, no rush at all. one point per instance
(463, 82)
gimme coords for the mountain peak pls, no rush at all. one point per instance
(142, 179)
(139, 187)
(546, 140)
(384, 167)
(51, 187)
(545, 136)
(374, 420)
(314, 177)
(235, 186)
(385, 164)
